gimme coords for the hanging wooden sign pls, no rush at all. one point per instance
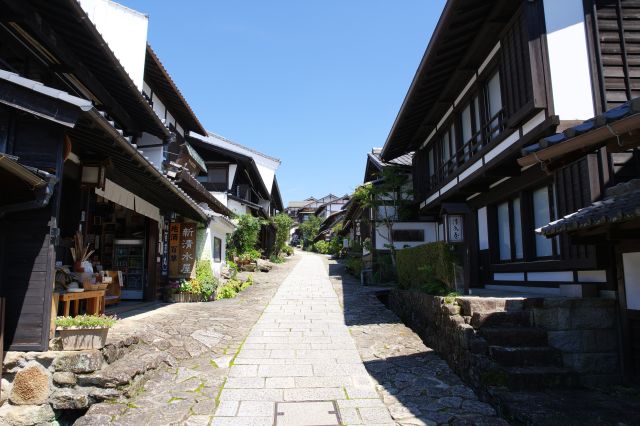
(187, 249)
(174, 250)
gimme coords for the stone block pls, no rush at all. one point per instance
(31, 385)
(552, 318)
(5, 390)
(600, 363)
(25, 415)
(64, 379)
(79, 362)
(69, 399)
(583, 340)
(584, 318)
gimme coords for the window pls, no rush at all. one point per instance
(510, 230)
(408, 235)
(218, 174)
(494, 106)
(449, 149)
(432, 170)
(217, 249)
(541, 217)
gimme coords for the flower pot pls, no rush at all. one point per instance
(76, 338)
(77, 267)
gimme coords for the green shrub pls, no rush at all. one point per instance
(208, 283)
(428, 264)
(245, 237)
(310, 229)
(226, 292)
(287, 250)
(249, 256)
(283, 224)
(321, 247)
(354, 265)
(276, 259)
(86, 321)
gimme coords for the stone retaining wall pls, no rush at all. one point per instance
(585, 331)
(38, 386)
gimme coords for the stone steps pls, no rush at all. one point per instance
(525, 356)
(500, 319)
(514, 336)
(539, 378)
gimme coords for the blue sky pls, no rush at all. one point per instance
(315, 83)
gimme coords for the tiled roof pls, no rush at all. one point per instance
(403, 160)
(621, 204)
(628, 108)
(196, 157)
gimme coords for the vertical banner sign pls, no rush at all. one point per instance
(456, 233)
(174, 249)
(164, 259)
(187, 249)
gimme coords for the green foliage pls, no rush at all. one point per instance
(283, 224)
(287, 250)
(206, 280)
(226, 292)
(321, 247)
(430, 264)
(354, 265)
(335, 244)
(232, 287)
(86, 321)
(310, 228)
(245, 237)
(276, 259)
(249, 256)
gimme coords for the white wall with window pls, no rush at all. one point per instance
(410, 234)
(214, 247)
(513, 226)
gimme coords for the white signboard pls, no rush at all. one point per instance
(455, 231)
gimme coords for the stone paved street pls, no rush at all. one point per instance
(317, 339)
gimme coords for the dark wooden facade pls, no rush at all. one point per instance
(27, 251)
(467, 143)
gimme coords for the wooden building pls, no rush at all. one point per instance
(498, 76)
(70, 116)
(242, 179)
(610, 225)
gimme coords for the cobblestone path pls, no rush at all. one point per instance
(311, 336)
(415, 384)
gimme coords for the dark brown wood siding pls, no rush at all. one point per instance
(573, 193)
(27, 279)
(614, 34)
(419, 174)
(28, 256)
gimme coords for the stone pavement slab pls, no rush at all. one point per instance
(303, 329)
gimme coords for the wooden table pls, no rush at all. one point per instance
(94, 298)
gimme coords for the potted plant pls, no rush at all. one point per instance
(80, 252)
(84, 331)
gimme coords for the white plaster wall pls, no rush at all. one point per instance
(568, 59)
(125, 31)
(221, 196)
(382, 234)
(158, 107)
(236, 207)
(155, 155)
(267, 174)
(233, 168)
(147, 139)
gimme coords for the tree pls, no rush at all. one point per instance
(283, 224)
(245, 237)
(310, 228)
(388, 197)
